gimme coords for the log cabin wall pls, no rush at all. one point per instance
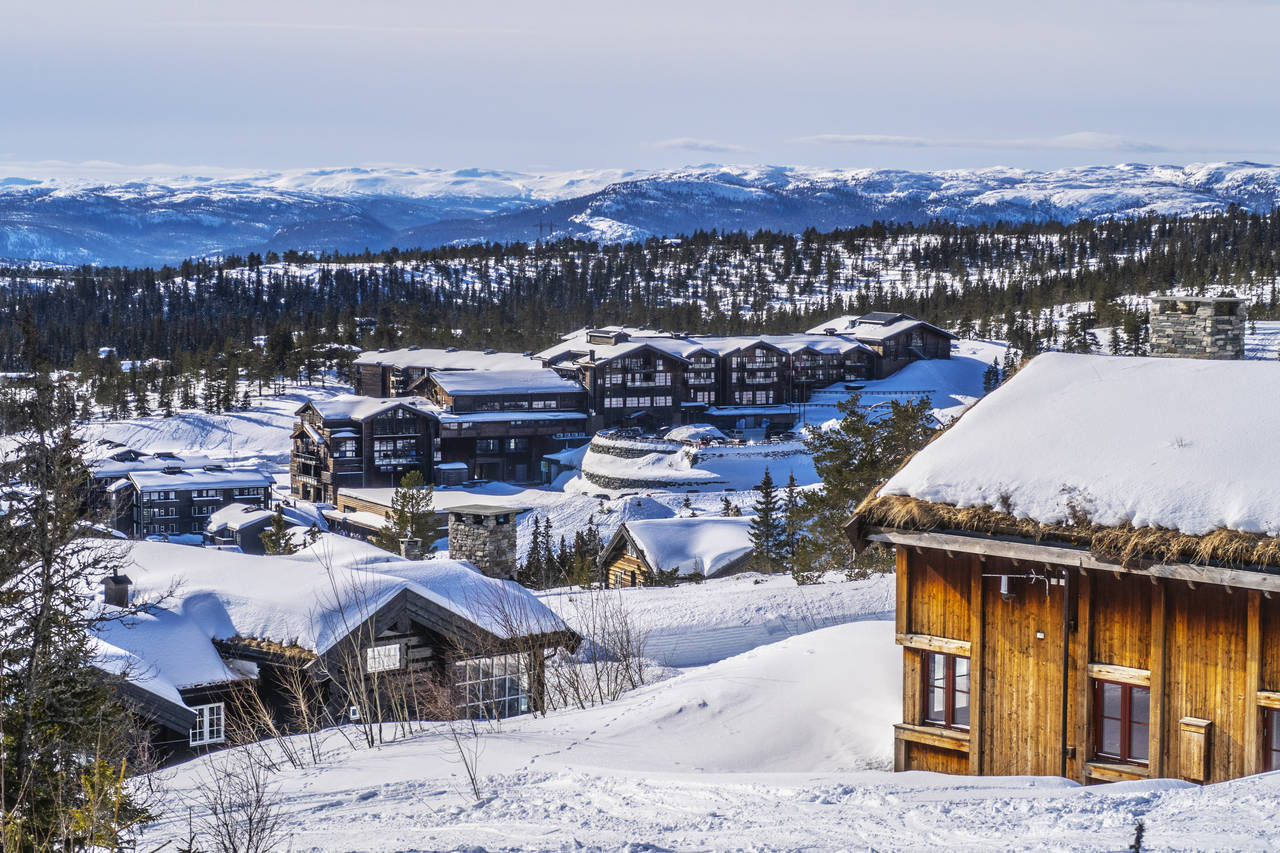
(1208, 657)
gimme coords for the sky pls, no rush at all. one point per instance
(285, 84)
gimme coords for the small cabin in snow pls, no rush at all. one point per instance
(1087, 575)
(339, 631)
(705, 547)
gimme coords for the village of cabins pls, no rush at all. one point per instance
(1086, 559)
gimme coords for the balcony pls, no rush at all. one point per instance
(396, 459)
(695, 379)
(760, 380)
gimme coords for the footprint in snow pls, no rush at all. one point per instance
(367, 795)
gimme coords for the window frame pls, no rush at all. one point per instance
(202, 732)
(1270, 739)
(948, 720)
(1126, 724)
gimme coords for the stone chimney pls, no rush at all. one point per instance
(116, 589)
(1197, 326)
(484, 536)
(411, 549)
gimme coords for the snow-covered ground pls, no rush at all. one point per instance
(785, 746)
(258, 435)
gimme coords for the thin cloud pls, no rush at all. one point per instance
(1082, 141)
(687, 143)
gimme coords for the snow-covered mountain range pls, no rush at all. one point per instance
(107, 214)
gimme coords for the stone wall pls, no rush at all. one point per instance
(1204, 334)
(487, 545)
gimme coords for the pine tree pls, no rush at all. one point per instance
(766, 527)
(532, 574)
(411, 515)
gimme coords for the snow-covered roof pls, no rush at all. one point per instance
(527, 381)
(1156, 442)
(876, 326)
(112, 468)
(313, 602)
(687, 346)
(164, 649)
(356, 408)
(233, 516)
(199, 478)
(706, 545)
(446, 359)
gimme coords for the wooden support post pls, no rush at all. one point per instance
(977, 677)
(1082, 695)
(903, 601)
(1252, 684)
(1156, 745)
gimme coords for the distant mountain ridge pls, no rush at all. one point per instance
(138, 220)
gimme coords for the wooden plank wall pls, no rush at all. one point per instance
(1021, 674)
(1209, 652)
(1205, 669)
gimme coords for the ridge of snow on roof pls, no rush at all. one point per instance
(198, 478)
(104, 468)
(315, 598)
(357, 408)
(704, 545)
(445, 360)
(535, 380)
(1156, 442)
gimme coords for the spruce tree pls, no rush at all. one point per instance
(851, 459)
(276, 538)
(64, 737)
(766, 527)
(412, 516)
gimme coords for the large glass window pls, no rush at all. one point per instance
(1122, 719)
(946, 690)
(210, 724)
(491, 688)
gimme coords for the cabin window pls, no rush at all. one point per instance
(1271, 737)
(491, 688)
(382, 658)
(946, 690)
(1121, 726)
(210, 726)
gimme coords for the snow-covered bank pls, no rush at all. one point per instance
(766, 751)
(692, 625)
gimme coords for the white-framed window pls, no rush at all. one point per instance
(764, 397)
(210, 724)
(491, 688)
(382, 658)
(662, 401)
(613, 402)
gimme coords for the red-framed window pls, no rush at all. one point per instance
(1270, 739)
(946, 690)
(1121, 721)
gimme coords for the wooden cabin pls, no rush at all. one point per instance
(1087, 576)
(702, 547)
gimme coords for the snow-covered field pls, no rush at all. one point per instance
(259, 435)
(785, 746)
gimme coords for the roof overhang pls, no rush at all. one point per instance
(1263, 578)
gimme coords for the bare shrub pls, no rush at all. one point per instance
(611, 659)
(238, 808)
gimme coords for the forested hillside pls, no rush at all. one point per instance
(997, 281)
